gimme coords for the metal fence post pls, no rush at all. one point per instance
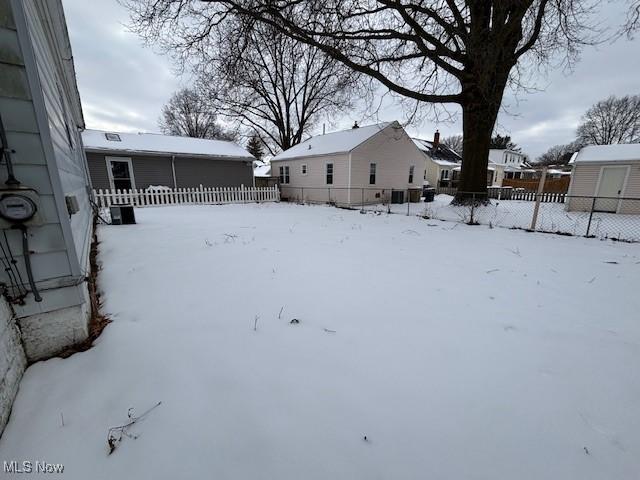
(408, 203)
(363, 199)
(302, 195)
(593, 205)
(534, 219)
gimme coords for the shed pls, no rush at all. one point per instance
(368, 164)
(120, 160)
(606, 177)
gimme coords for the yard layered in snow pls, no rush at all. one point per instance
(459, 352)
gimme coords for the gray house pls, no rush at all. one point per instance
(140, 160)
(45, 213)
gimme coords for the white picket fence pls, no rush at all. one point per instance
(185, 196)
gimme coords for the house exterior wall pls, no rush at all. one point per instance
(193, 172)
(12, 359)
(312, 187)
(584, 182)
(147, 170)
(393, 152)
(39, 105)
(157, 170)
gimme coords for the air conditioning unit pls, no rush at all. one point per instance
(122, 215)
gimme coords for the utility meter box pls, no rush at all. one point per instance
(19, 206)
(122, 215)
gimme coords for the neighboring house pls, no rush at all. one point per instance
(139, 160)
(440, 161)
(507, 157)
(510, 165)
(367, 164)
(262, 175)
(609, 172)
(47, 217)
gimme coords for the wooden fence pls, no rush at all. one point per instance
(551, 185)
(185, 196)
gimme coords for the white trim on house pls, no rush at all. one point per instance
(108, 161)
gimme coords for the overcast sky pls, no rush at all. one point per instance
(123, 85)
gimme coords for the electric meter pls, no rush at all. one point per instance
(17, 208)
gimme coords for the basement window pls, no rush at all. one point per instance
(113, 137)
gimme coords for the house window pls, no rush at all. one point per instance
(411, 170)
(286, 174)
(444, 175)
(281, 178)
(329, 173)
(372, 174)
(112, 137)
(303, 169)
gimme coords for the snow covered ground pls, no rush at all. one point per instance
(460, 352)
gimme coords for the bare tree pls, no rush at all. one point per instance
(454, 142)
(257, 77)
(633, 19)
(188, 114)
(461, 52)
(559, 154)
(614, 120)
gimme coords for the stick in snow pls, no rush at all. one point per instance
(255, 323)
(114, 437)
(280, 314)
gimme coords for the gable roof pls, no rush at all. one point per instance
(342, 141)
(608, 153)
(156, 143)
(442, 155)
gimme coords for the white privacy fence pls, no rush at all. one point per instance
(185, 196)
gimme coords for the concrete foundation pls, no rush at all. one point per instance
(13, 361)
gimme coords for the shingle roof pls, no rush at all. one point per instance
(441, 154)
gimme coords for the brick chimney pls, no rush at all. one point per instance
(355, 125)
(436, 139)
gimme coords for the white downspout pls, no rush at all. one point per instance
(173, 171)
(349, 182)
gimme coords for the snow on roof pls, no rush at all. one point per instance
(608, 153)
(156, 143)
(342, 141)
(445, 163)
(262, 170)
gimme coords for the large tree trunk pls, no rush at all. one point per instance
(478, 120)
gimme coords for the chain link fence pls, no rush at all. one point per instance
(616, 218)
